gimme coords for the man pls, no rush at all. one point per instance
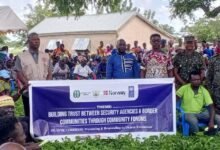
(57, 49)
(101, 73)
(7, 109)
(171, 49)
(144, 47)
(208, 51)
(122, 65)
(128, 48)
(157, 63)
(11, 131)
(62, 52)
(213, 78)
(11, 146)
(7, 106)
(11, 56)
(194, 97)
(3, 53)
(164, 45)
(136, 49)
(32, 65)
(100, 49)
(187, 61)
(203, 45)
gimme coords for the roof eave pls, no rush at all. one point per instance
(77, 33)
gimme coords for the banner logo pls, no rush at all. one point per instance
(76, 94)
(104, 92)
(131, 91)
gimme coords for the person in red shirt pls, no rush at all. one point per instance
(101, 50)
(61, 51)
(136, 49)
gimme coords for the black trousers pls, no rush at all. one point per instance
(25, 99)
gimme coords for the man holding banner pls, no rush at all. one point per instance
(32, 65)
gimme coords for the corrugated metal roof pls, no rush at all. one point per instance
(91, 23)
(81, 44)
(52, 44)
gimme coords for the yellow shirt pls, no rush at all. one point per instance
(4, 86)
(192, 103)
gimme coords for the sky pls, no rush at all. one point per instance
(161, 7)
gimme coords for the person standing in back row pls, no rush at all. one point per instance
(122, 65)
(32, 65)
(188, 61)
(156, 62)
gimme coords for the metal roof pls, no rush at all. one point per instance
(89, 23)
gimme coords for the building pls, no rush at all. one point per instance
(108, 28)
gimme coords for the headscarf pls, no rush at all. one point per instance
(5, 74)
(6, 101)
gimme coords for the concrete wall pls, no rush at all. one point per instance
(68, 40)
(137, 29)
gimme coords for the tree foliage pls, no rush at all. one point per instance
(167, 28)
(3, 40)
(150, 16)
(67, 7)
(39, 12)
(180, 8)
(206, 29)
(123, 6)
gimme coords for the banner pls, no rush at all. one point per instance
(104, 108)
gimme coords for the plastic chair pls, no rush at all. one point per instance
(182, 122)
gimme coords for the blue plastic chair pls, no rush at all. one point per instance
(182, 122)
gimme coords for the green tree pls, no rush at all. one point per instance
(206, 29)
(122, 6)
(3, 40)
(150, 16)
(67, 7)
(167, 28)
(39, 12)
(181, 8)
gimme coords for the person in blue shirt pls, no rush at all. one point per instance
(122, 65)
(208, 51)
(3, 54)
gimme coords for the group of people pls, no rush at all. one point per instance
(197, 79)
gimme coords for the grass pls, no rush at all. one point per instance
(19, 111)
(164, 142)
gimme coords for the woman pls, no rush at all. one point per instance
(61, 70)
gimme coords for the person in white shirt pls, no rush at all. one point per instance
(82, 70)
(61, 70)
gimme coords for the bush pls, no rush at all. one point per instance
(168, 142)
(164, 142)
